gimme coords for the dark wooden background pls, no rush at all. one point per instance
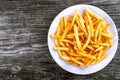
(24, 53)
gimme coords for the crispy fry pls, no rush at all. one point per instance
(98, 49)
(58, 30)
(93, 14)
(106, 35)
(77, 37)
(87, 42)
(100, 54)
(97, 31)
(73, 63)
(55, 36)
(90, 24)
(61, 48)
(65, 22)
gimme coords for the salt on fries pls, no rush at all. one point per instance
(82, 40)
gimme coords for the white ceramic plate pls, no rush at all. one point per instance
(93, 68)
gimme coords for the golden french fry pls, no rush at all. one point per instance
(98, 49)
(73, 63)
(106, 35)
(90, 47)
(104, 44)
(93, 14)
(65, 22)
(68, 41)
(97, 30)
(100, 54)
(61, 48)
(58, 30)
(90, 24)
(73, 20)
(77, 37)
(55, 36)
(87, 42)
(65, 32)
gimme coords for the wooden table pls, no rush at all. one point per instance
(24, 53)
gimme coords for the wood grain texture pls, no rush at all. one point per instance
(24, 53)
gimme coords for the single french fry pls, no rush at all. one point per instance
(73, 63)
(61, 24)
(65, 32)
(65, 22)
(61, 48)
(93, 14)
(79, 58)
(73, 21)
(98, 49)
(68, 41)
(100, 54)
(90, 24)
(104, 44)
(58, 30)
(106, 35)
(67, 44)
(105, 27)
(55, 36)
(99, 35)
(90, 47)
(97, 30)
(86, 23)
(87, 42)
(56, 42)
(77, 37)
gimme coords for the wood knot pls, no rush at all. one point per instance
(15, 68)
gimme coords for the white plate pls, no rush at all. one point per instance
(93, 68)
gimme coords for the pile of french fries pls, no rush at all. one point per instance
(82, 40)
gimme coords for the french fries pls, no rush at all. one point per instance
(82, 40)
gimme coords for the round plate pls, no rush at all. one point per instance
(92, 68)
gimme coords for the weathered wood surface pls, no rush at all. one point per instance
(24, 54)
